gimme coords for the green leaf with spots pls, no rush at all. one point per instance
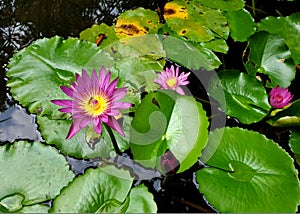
(195, 22)
(92, 34)
(160, 124)
(288, 29)
(245, 97)
(34, 173)
(245, 172)
(139, 21)
(270, 55)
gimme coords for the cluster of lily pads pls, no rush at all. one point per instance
(110, 96)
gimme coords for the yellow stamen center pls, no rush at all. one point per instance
(96, 105)
(171, 82)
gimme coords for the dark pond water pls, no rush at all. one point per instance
(23, 21)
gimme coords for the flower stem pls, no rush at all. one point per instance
(113, 139)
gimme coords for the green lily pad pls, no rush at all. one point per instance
(160, 124)
(246, 172)
(33, 172)
(241, 25)
(190, 56)
(270, 55)
(216, 45)
(104, 189)
(289, 116)
(92, 34)
(224, 4)
(288, 30)
(294, 143)
(85, 144)
(38, 208)
(140, 200)
(36, 73)
(248, 106)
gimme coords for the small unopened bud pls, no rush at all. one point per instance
(169, 164)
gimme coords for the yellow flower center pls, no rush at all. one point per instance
(96, 105)
(171, 82)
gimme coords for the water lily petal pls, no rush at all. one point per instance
(67, 90)
(67, 103)
(74, 129)
(113, 123)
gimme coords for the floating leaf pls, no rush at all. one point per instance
(217, 45)
(189, 56)
(55, 132)
(241, 25)
(101, 190)
(194, 21)
(137, 22)
(289, 116)
(140, 200)
(295, 143)
(248, 106)
(36, 73)
(33, 172)
(270, 55)
(38, 208)
(92, 34)
(246, 171)
(288, 29)
(225, 5)
(160, 124)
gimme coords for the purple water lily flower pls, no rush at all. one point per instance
(94, 100)
(280, 97)
(170, 79)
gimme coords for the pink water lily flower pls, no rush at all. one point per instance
(170, 79)
(280, 97)
(94, 100)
